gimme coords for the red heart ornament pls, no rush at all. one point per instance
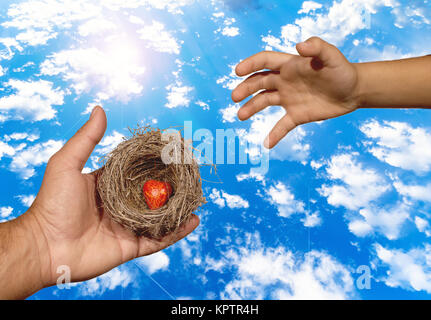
(156, 193)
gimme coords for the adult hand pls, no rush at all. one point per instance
(66, 226)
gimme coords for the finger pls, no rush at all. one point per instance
(258, 103)
(148, 246)
(317, 48)
(254, 83)
(78, 149)
(262, 60)
(280, 130)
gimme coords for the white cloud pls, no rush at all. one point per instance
(377, 220)
(48, 14)
(25, 161)
(252, 174)
(415, 192)
(118, 277)
(230, 81)
(311, 220)
(6, 149)
(21, 136)
(24, 67)
(203, 105)
(232, 201)
(178, 95)
(35, 38)
(115, 72)
(27, 200)
(388, 52)
(86, 170)
(226, 27)
(316, 165)
(158, 39)
(282, 197)
(229, 114)
(155, 262)
(409, 270)
(172, 6)
(335, 24)
(415, 13)
(8, 47)
(230, 31)
(40, 20)
(217, 15)
(31, 100)
(399, 144)
(292, 147)
(423, 226)
(277, 273)
(191, 246)
(358, 186)
(5, 212)
(96, 26)
(109, 143)
(309, 7)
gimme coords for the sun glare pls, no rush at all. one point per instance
(125, 53)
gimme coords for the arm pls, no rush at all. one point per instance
(21, 273)
(398, 84)
(320, 83)
(66, 227)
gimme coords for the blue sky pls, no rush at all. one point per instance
(348, 193)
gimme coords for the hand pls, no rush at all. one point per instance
(70, 228)
(316, 85)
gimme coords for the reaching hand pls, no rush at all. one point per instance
(316, 85)
(71, 228)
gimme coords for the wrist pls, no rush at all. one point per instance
(32, 227)
(25, 258)
(359, 95)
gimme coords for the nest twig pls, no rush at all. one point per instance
(130, 165)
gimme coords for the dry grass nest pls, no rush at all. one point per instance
(137, 160)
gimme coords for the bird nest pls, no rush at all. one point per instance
(139, 159)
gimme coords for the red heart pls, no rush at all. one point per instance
(156, 193)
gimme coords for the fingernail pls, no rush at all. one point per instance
(93, 112)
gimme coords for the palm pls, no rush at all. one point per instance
(313, 95)
(78, 233)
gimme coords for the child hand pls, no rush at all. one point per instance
(318, 84)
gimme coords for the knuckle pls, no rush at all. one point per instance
(265, 53)
(248, 87)
(266, 98)
(263, 82)
(272, 99)
(265, 56)
(314, 39)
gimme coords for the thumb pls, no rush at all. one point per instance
(320, 49)
(78, 149)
